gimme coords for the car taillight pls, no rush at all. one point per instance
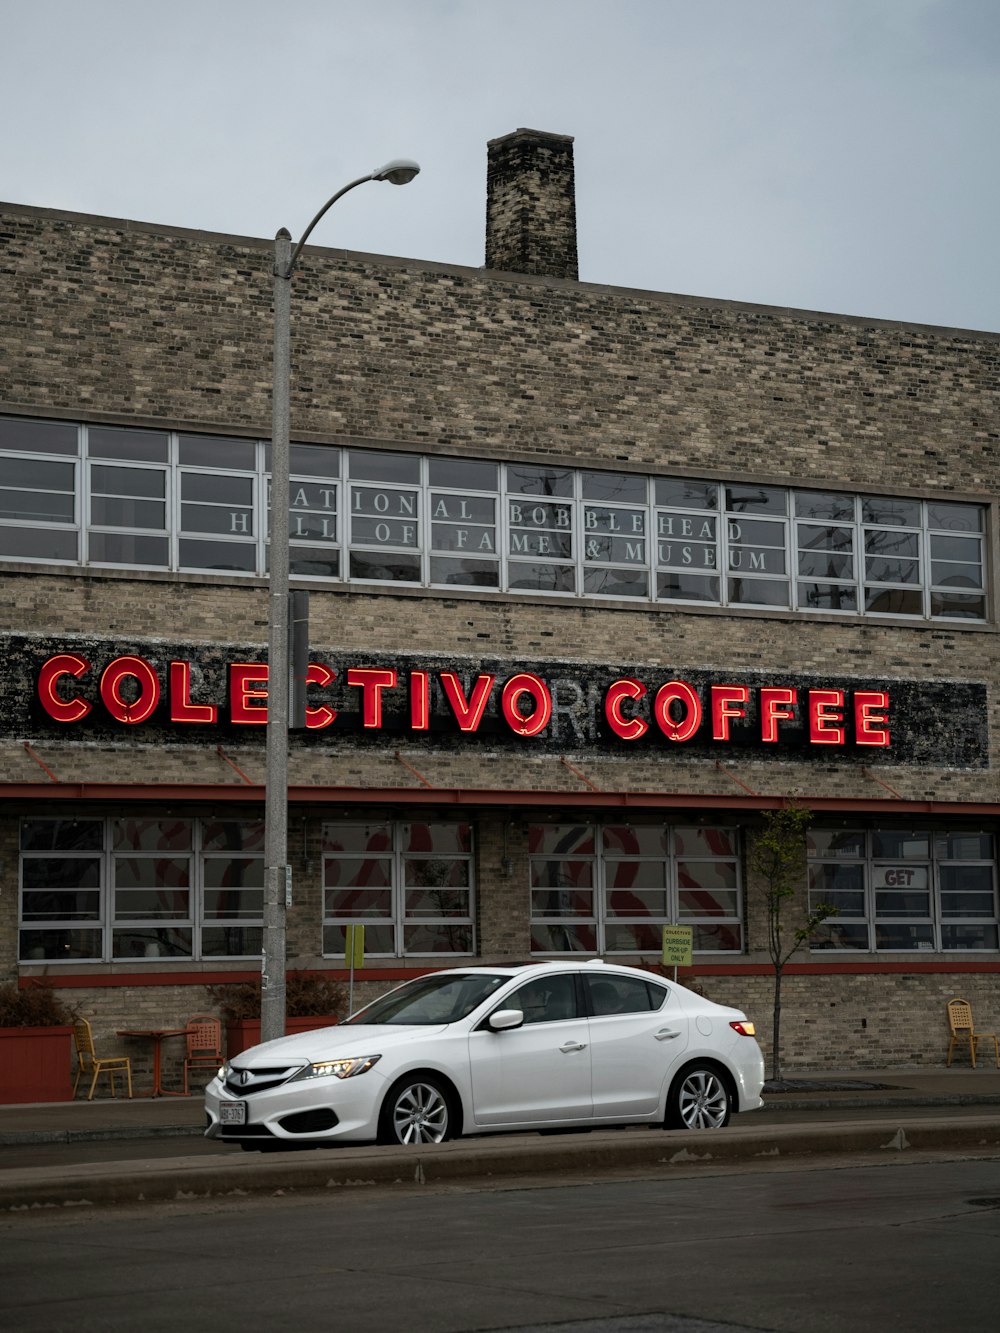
(744, 1027)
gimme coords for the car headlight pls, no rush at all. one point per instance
(349, 1068)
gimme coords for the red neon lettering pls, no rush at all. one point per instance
(722, 697)
(63, 710)
(526, 683)
(420, 701)
(628, 728)
(866, 718)
(372, 680)
(242, 710)
(149, 689)
(468, 713)
(681, 692)
(775, 707)
(181, 707)
(319, 715)
(823, 721)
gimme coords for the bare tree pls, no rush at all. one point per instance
(777, 859)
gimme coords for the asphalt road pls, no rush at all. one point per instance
(905, 1243)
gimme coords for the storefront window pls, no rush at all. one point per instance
(612, 888)
(409, 884)
(904, 889)
(140, 889)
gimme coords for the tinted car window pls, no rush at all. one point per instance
(545, 999)
(623, 995)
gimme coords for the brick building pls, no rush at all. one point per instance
(597, 576)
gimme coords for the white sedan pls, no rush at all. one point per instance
(548, 1046)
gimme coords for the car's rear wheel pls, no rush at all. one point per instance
(416, 1110)
(699, 1099)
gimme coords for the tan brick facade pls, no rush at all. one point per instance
(112, 322)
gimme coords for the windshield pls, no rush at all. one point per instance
(438, 999)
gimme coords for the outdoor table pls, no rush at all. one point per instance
(156, 1036)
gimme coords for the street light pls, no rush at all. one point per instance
(277, 874)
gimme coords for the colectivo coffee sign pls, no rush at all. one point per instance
(160, 693)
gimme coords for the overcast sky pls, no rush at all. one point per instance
(835, 155)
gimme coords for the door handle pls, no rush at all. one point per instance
(665, 1034)
(574, 1046)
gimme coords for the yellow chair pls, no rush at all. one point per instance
(87, 1059)
(204, 1045)
(963, 1030)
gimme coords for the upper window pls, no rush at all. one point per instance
(107, 496)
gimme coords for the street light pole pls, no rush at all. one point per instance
(277, 872)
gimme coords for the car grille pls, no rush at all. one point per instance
(246, 1082)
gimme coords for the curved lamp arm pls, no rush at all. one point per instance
(400, 171)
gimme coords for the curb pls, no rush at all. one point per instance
(652, 1154)
(776, 1102)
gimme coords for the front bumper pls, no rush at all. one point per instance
(322, 1110)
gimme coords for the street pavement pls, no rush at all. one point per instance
(880, 1112)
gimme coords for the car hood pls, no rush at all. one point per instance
(320, 1043)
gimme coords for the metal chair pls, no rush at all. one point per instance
(204, 1045)
(87, 1059)
(964, 1030)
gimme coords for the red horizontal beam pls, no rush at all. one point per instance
(473, 798)
(887, 967)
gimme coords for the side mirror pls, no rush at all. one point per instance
(503, 1019)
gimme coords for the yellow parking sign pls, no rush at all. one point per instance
(677, 946)
(354, 950)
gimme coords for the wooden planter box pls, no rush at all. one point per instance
(36, 1064)
(245, 1032)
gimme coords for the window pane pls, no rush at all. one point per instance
(61, 835)
(687, 588)
(889, 843)
(955, 518)
(455, 838)
(355, 872)
(549, 937)
(60, 945)
(894, 601)
(621, 995)
(151, 835)
(379, 940)
(127, 548)
(436, 903)
(462, 474)
(827, 597)
(231, 941)
(684, 494)
(368, 465)
(756, 500)
(969, 937)
(758, 592)
(429, 938)
(571, 839)
(636, 903)
(353, 904)
(211, 451)
(955, 605)
(161, 942)
(312, 460)
(141, 446)
(635, 839)
(706, 841)
(388, 568)
(62, 874)
(523, 480)
(824, 505)
(39, 544)
(39, 437)
(240, 557)
(564, 901)
(891, 513)
(624, 489)
(465, 573)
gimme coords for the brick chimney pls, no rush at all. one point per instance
(531, 204)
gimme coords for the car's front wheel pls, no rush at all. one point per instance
(416, 1110)
(699, 1099)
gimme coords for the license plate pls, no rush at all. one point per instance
(232, 1113)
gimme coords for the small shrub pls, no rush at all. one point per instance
(36, 1005)
(307, 995)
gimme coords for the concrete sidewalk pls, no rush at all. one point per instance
(142, 1117)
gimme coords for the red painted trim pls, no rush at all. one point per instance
(108, 980)
(105, 980)
(858, 968)
(478, 798)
